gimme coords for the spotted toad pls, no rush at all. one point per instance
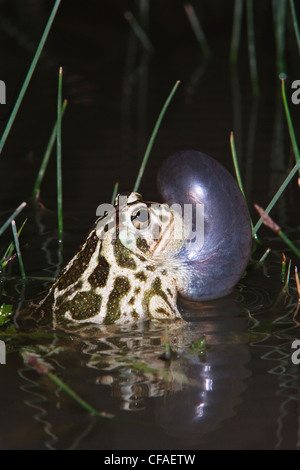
(125, 271)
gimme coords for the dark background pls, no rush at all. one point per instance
(115, 91)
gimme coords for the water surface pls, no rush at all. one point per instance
(242, 392)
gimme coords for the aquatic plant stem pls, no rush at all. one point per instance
(115, 192)
(8, 255)
(277, 195)
(76, 397)
(279, 17)
(38, 364)
(295, 23)
(275, 228)
(140, 33)
(29, 75)
(262, 259)
(285, 289)
(46, 157)
(18, 251)
(58, 149)
(288, 242)
(297, 282)
(153, 135)
(251, 46)
(12, 217)
(197, 29)
(283, 266)
(298, 291)
(236, 32)
(282, 77)
(236, 167)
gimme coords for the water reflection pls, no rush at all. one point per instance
(196, 411)
(190, 394)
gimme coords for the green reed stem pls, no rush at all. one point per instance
(46, 157)
(236, 31)
(261, 261)
(297, 283)
(236, 167)
(8, 255)
(285, 287)
(153, 135)
(29, 75)
(76, 397)
(269, 222)
(12, 217)
(295, 23)
(197, 28)
(140, 33)
(289, 243)
(251, 47)
(277, 195)
(279, 15)
(18, 251)
(115, 192)
(283, 267)
(37, 363)
(282, 77)
(59, 167)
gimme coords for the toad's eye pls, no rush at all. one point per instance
(140, 218)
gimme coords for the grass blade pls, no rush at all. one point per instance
(279, 15)
(268, 222)
(29, 75)
(197, 29)
(8, 255)
(77, 398)
(12, 217)
(295, 23)
(277, 195)
(282, 77)
(37, 363)
(152, 138)
(285, 289)
(298, 291)
(46, 157)
(59, 168)
(18, 251)
(140, 33)
(236, 31)
(115, 191)
(236, 167)
(261, 261)
(235, 162)
(251, 46)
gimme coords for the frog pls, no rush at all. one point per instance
(125, 270)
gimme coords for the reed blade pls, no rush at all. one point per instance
(43, 167)
(29, 75)
(153, 135)
(18, 251)
(282, 77)
(12, 217)
(59, 166)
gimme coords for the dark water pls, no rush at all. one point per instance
(243, 392)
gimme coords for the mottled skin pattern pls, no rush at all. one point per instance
(123, 272)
